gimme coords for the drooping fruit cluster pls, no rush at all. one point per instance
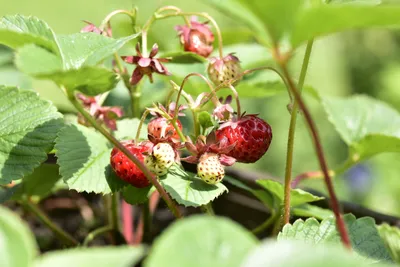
(125, 168)
(250, 135)
(160, 159)
(223, 70)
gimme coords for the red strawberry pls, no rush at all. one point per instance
(125, 168)
(250, 135)
(160, 128)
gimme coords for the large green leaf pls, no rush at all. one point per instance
(189, 190)
(366, 125)
(269, 200)
(17, 31)
(391, 238)
(294, 253)
(242, 14)
(17, 243)
(88, 49)
(90, 80)
(127, 129)
(308, 210)
(364, 236)
(201, 241)
(182, 57)
(278, 16)
(40, 183)
(84, 158)
(326, 19)
(100, 257)
(134, 195)
(297, 196)
(29, 126)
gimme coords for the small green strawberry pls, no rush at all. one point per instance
(210, 169)
(224, 70)
(161, 158)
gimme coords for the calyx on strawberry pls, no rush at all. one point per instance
(223, 70)
(161, 128)
(161, 158)
(210, 155)
(196, 38)
(125, 168)
(249, 135)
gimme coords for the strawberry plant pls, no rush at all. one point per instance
(148, 177)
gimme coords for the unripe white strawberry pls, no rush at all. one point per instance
(210, 168)
(223, 70)
(161, 159)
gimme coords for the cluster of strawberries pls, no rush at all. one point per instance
(238, 137)
(242, 139)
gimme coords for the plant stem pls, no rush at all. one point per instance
(92, 235)
(291, 135)
(265, 224)
(66, 238)
(171, 205)
(236, 95)
(320, 154)
(208, 209)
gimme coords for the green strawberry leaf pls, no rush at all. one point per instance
(337, 18)
(88, 49)
(363, 233)
(294, 253)
(41, 183)
(307, 210)
(127, 129)
(122, 256)
(189, 190)
(6, 193)
(41, 64)
(18, 246)
(217, 242)
(297, 196)
(134, 195)
(17, 31)
(84, 159)
(29, 126)
(391, 238)
(240, 13)
(268, 199)
(182, 57)
(366, 125)
(278, 16)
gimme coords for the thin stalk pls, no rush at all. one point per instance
(112, 14)
(320, 155)
(291, 135)
(262, 227)
(171, 205)
(236, 95)
(66, 238)
(208, 209)
(141, 124)
(92, 235)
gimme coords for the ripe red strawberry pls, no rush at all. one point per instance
(250, 135)
(223, 70)
(160, 128)
(126, 169)
(210, 168)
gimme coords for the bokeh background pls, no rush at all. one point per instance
(354, 62)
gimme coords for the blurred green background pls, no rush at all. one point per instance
(356, 62)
